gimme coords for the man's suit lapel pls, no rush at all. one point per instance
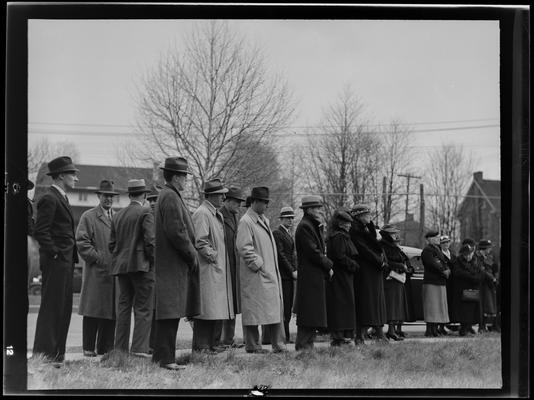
(102, 217)
(63, 201)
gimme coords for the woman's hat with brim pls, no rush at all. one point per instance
(311, 201)
(214, 186)
(259, 193)
(61, 165)
(178, 165)
(484, 244)
(342, 216)
(287, 212)
(137, 186)
(389, 229)
(106, 187)
(235, 193)
(154, 192)
(431, 234)
(360, 209)
(444, 239)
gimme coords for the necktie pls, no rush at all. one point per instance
(109, 214)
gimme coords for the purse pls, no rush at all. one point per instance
(399, 277)
(471, 295)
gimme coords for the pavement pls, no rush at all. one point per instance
(415, 332)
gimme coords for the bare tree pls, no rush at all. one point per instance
(43, 152)
(208, 102)
(450, 169)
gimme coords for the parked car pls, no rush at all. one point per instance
(37, 282)
(414, 254)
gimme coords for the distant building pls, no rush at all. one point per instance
(480, 212)
(83, 196)
(410, 232)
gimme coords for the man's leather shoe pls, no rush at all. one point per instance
(89, 353)
(173, 367)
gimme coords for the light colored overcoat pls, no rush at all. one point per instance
(216, 299)
(177, 286)
(97, 298)
(261, 285)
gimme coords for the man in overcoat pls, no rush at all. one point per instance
(261, 286)
(314, 269)
(229, 211)
(488, 285)
(131, 244)
(369, 281)
(54, 231)
(285, 245)
(216, 301)
(97, 298)
(177, 275)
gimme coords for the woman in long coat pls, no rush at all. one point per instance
(488, 285)
(369, 282)
(396, 302)
(466, 275)
(341, 309)
(444, 244)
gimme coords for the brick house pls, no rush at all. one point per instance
(480, 212)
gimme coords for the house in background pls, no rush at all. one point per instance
(411, 233)
(83, 196)
(480, 212)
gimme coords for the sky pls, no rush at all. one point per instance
(441, 78)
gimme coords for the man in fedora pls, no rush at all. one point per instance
(229, 211)
(285, 247)
(97, 298)
(369, 281)
(488, 286)
(177, 286)
(54, 231)
(132, 247)
(261, 286)
(314, 269)
(215, 278)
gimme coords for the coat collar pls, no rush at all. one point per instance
(253, 215)
(102, 216)
(56, 190)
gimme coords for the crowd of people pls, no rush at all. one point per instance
(165, 264)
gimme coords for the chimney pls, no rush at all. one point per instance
(477, 176)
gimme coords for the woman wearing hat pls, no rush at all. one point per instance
(445, 244)
(341, 309)
(488, 286)
(395, 276)
(467, 276)
(435, 275)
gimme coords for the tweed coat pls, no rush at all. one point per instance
(286, 253)
(177, 278)
(313, 267)
(230, 233)
(54, 227)
(466, 275)
(261, 285)
(216, 300)
(369, 281)
(97, 298)
(341, 308)
(131, 240)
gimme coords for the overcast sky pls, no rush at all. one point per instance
(439, 77)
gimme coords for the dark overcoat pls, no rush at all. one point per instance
(369, 281)
(434, 264)
(177, 275)
(97, 297)
(466, 275)
(449, 285)
(285, 245)
(488, 284)
(131, 240)
(313, 267)
(341, 308)
(394, 291)
(230, 231)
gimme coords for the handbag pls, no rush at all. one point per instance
(471, 295)
(399, 277)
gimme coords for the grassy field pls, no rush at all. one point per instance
(475, 363)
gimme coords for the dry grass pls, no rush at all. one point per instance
(446, 364)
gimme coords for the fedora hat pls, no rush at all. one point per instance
(431, 233)
(484, 244)
(106, 187)
(176, 164)
(259, 193)
(287, 212)
(235, 193)
(391, 229)
(311, 201)
(60, 165)
(137, 186)
(214, 186)
(360, 209)
(154, 192)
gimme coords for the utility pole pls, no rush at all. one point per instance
(408, 176)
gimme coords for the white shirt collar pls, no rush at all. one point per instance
(60, 190)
